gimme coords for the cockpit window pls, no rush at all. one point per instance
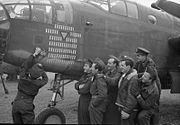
(3, 15)
(103, 4)
(118, 7)
(14, 1)
(26, 1)
(64, 12)
(22, 1)
(18, 11)
(42, 13)
(132, 10)
(60, 11)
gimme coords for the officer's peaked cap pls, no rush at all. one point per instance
(142, 51)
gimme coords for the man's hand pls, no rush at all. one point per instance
(37, 51)
(139, 96)
(81, 86)
(3, 76)
(124, 115)
(135, 91)
(43, 53)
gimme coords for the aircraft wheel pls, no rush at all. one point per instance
(50, 115)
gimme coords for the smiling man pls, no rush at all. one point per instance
(111, 77)
(148, 98)
(126, 101)
(98, 90)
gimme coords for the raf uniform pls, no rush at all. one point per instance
(85, 97)
(111, 77)
(141, 67)
(28, 87)
(98, 91)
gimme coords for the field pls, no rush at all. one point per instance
(169, 108)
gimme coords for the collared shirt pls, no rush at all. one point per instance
(120, 80)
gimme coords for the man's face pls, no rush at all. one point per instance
(146, 78)
(111, 65)
(87, 68)
(120, 67)
(140, 57)
(93, 70)
(123, 67)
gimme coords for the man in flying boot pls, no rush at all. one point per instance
(126, 101)
(147, 97)
(98, 90)
(111, 77)
(32, 78)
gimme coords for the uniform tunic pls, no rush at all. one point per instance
(141, 67)
(22, 106)
(98, 102)
(84, 98)
(112, 115)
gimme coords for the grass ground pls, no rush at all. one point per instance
(169, 108)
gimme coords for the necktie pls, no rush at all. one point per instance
(119, 83)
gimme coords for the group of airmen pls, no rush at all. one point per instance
(122, 92)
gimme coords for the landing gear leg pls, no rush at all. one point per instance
(1, 74)
(52, 115)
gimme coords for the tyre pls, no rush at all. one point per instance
(50, 115)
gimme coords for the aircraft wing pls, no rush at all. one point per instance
(167, 5)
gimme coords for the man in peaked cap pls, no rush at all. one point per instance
(111, 77)
(98, 90)
(142, 51)
(144, 62)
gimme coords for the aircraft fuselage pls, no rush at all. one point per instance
(85, 30)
